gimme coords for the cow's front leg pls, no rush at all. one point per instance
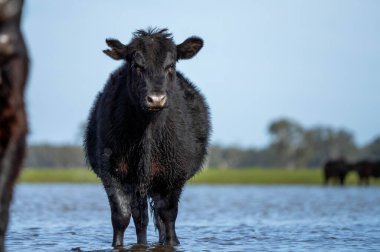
(140, 218)
(120, 203)
(166, 206)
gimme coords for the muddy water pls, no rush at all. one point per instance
(62, 217)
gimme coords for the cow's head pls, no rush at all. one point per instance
(152, 57)
(10, 11)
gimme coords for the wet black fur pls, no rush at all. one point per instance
(141, 154)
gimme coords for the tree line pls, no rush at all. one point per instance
(291, 146)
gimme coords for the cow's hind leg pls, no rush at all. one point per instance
(120, 203)
(159, 223)
(166, 206)
(342, 179)
(140, 218)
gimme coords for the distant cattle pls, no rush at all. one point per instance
(13, 126)
(367, 169)
(336, 171)
(147, 132)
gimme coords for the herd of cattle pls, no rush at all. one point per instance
(337, 171)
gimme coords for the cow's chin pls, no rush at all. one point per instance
(154, 109)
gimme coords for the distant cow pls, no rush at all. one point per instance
(367, 169)
(147, 132)
(13, 127)
(336, 170)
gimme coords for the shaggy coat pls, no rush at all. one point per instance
(13, 125)
(147, 132)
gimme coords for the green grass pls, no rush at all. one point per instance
(207, 176)
(67, 175)
(258, 176)
(266, 176)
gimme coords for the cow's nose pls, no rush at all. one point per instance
(156, 101)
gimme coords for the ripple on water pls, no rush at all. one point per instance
(211, 218)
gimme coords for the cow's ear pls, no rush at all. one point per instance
(118, 50)
(189, 48)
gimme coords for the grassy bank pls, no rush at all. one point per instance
(207, 176)
(67, 175)
(265, 176)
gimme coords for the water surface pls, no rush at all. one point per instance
(66, 217)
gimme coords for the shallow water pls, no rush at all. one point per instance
(65, 217)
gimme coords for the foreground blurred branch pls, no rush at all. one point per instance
(13, 125)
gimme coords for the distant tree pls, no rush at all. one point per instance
(286, 136)
(236, 157)
(342, 145)
(291, 146)
(323, 143)
(50, 156)
(372, 150)
(229, 157)
(315, 146)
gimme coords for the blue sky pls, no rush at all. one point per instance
(317, 62)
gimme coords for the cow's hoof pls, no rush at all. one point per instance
(173, 242)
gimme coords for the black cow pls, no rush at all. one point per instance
(147, 132)
(336, 170)
(13, 125)
(367, 169)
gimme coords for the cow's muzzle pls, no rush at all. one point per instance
(155, 102)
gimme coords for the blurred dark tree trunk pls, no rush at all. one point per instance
(13, 124)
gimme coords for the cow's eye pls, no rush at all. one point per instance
(170, 68)
(138, 68)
